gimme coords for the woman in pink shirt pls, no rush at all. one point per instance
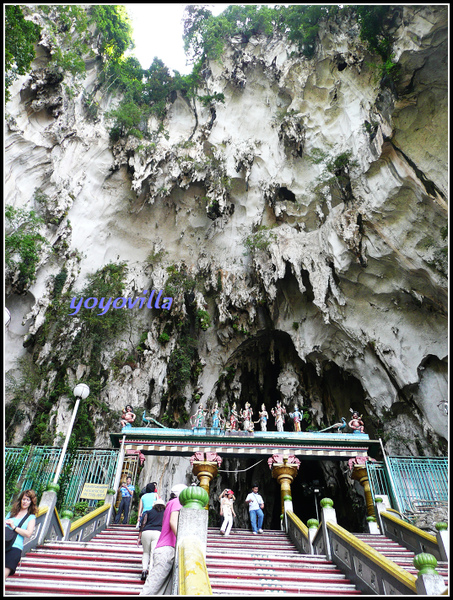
(159, 581)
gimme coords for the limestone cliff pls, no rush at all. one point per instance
(299, 226)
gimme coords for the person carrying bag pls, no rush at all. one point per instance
(256, 505)
(11, 534)
(19, 524)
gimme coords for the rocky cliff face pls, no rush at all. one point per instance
(299, 227)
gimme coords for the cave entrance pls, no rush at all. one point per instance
(311, 485)
(266, 369)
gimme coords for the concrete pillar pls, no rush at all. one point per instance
(312, 525)
(379, 508)
(110, 499)
(443, 539)
(65, 519)
(192, 526)
(429, 582)
(373, 526)
(327, 514)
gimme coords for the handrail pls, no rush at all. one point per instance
(411, 537)
(299, 524)
(402, 517)
(299, 533)
(88, 517)
(85, 528)
(192, 571)
(376, 558)
(412, 528)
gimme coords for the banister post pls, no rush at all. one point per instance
(312, 525)
(65, 519)
(443, 540)
(192, 523)
(379, 508)
(327, 514)
(429, 582)
(373, 527)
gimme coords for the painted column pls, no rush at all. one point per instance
(189, 573)
(205, 466)
(284, 470)
(359, 473)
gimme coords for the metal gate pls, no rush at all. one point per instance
(35, 467)
(413, 484)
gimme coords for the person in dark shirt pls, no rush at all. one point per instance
(149, 533)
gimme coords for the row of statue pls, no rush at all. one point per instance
(245, 417)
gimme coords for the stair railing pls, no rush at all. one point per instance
(299, 533)
(49, 526)
(411, 537)
(33, 541)
(85, 528)
(369, 570)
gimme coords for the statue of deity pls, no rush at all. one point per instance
(356, 423)
(279, 413)
(197, 419)
(233, 418)
(215, 416)
(297, 418)
(263, 417)
(246, 416)
(128, 417)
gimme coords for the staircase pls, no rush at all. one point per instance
(239, 564)
(245, 564)
(399, 554)
(109, 564)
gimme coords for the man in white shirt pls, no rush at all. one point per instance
(256, 505)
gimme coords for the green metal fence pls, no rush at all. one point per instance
(419, 482)
(411, 483)
(380, 483)
(35, 467)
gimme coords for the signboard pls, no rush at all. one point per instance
(94, 491)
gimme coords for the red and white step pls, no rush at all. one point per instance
(109, 564)
(246, 564)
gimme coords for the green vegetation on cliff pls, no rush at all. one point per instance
(20, 37)
(23, 246)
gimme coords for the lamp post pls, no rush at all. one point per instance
(81, 392)
(7, 318)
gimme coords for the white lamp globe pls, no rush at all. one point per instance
(81, 391)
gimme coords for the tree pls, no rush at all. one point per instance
(20, 37)
(113, 24)
(23, 243)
